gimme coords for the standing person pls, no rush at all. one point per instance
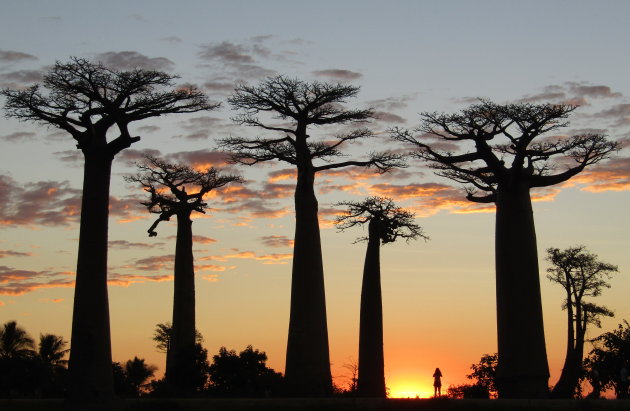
(437, 383)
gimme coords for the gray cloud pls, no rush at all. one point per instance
(10, 56)
(18, 136)
(338, 74)
(129, 60)
(226, 52)
(20, 78)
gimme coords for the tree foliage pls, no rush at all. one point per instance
(85, 99)
(392, 222)
(506, 146)
(611, 353)
(186, 187)
(242, 375)
(298, 105)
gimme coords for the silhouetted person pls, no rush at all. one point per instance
(437, 383)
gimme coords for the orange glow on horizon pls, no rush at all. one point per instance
(410, 389)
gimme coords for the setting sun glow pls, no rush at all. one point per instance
(410, 389)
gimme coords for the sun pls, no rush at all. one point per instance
(411, 389)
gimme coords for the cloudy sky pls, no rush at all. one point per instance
(408, 57)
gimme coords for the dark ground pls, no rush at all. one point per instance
(330, 404)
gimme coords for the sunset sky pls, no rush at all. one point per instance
(408, 57)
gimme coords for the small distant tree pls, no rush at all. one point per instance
(179, 190)
(609, 356)
(15, 342)
(162, 337)
(581, 275)
(52, 350)
(509, 152)
(386, 223)
(137, 373)
(95, 104)
(485, 373)
(242, 375)
(299, 106)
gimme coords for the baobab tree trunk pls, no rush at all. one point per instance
(90, 366)
(522, 370)
(307, 368)
(564, 387)
(181, 357)
(371, 381)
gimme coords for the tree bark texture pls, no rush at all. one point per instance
(307, 368)
(371, 380)
(90, 365)
(522, 370)
(181, 359)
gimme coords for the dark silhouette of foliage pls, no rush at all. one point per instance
(485, 374)
(298, 106)
(15, 342)
(386, 223)
(582, 276)
(137, 373)
(90, 101)
(179, 190)
(25, 372)
(510, 155)
(162, 337)
(606, 361)
(242, 375)
(52, 350)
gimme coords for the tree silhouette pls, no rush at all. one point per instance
(162, 337)
(87, 100)
(15, 342)
(52, 350)
(504, 164)
(485, 373)
(137, 373)
(184, 194)
(242, 375)
(581, 275)
(386, 223)
(298, 105)
(611, 353)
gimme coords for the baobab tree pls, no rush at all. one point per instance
(90, 101)
(179, 190)
(510, 153)
(386, 223)
(581, 275)
(299, 106)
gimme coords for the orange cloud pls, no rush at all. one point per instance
(614, 175)
(212, 278)
(275, 258)
(285, 174)
(52, 300)
(125, 280)
(276, 241)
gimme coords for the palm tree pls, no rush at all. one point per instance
(52, 350)
(15, 342)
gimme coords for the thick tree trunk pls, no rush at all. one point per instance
(371, 381)
(307, 368)
(522, 370)
(565, 386)
(181, 358)
(90, 366)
